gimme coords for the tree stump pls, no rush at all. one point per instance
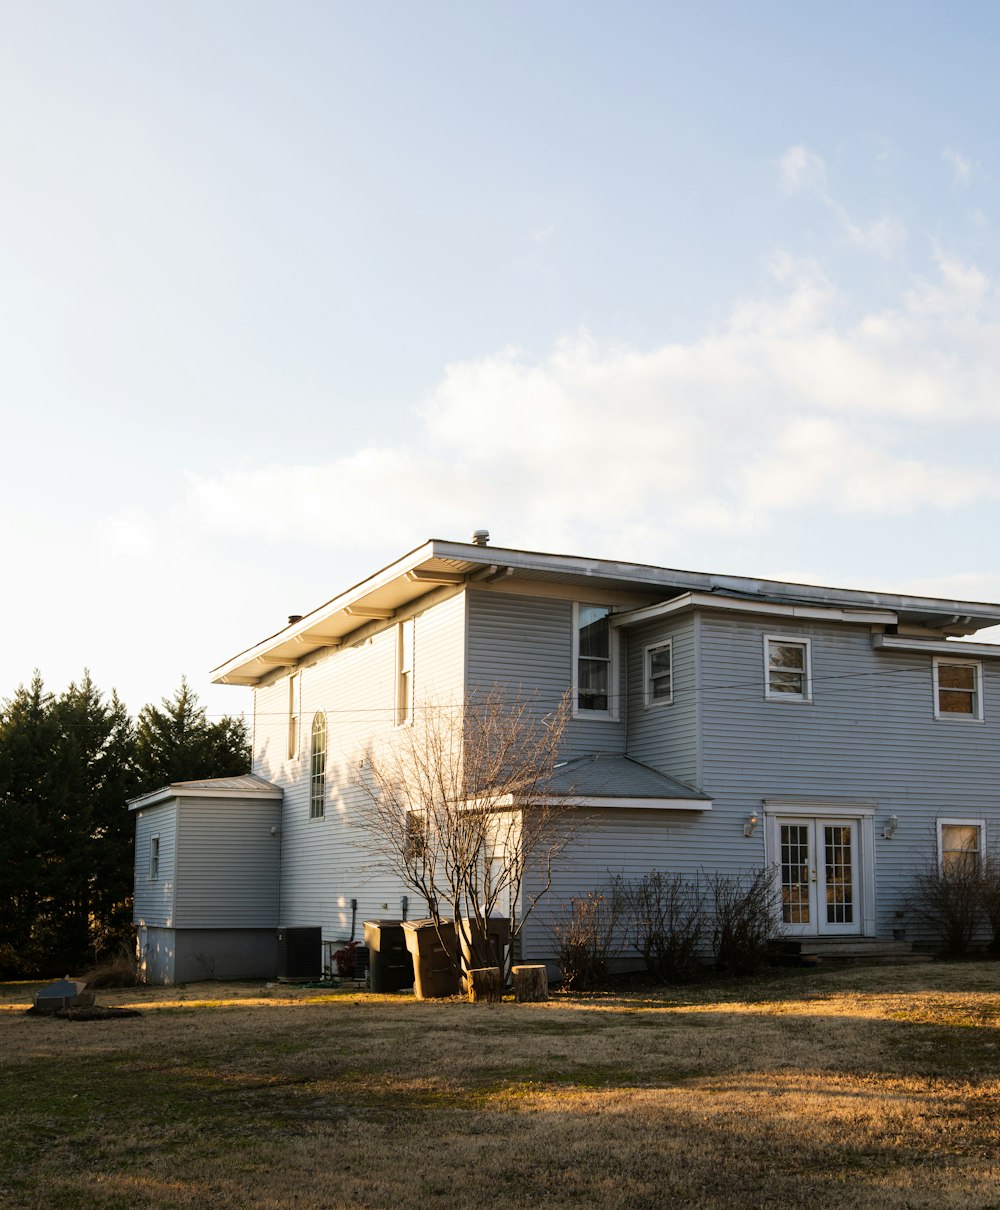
(485, 985)
(531, 984)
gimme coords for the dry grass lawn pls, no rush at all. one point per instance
(866, 1087)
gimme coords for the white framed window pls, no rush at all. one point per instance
(595, 662)
(415, 840)
(958, 690)
(154, 858)
(404, 672)
(294, 680)
(317, 767)
(787, 669)
(961, 842)
(658, 676)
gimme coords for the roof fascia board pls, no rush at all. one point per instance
(155, 797)
(649, 577)
(409, 562)
(703, 600)
(958, 649)
(598, 801)
(640, 577)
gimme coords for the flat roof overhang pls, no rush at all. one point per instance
(440, 564)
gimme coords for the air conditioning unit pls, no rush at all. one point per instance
(300, 954)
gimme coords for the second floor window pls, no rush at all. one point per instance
(404, 672)
(659, 678)
(293, 716)
(788, 676)
(593, 643)
(957, 691)
(317, 768)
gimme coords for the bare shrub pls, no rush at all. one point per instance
(667, 923)
(991, 899)
(952, 900)
(459, 807)
(588, 936)
(746, 919)
(117, 970)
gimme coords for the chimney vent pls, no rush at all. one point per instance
(480, 537)
(293, 618)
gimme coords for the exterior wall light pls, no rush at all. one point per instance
(750, 826)
(889, 831)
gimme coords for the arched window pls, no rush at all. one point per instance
(317, 768)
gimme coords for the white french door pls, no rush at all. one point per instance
(820, 875)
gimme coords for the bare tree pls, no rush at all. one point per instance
(459, 807)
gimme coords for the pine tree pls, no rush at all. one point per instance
(68, 766)
(31, 796)
(178, 743)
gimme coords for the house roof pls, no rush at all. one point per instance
(439, 564)
(247, 785)
(605, 779)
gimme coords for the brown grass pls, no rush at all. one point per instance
(868, 1087)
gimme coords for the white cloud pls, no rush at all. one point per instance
(802, 171)
(810, 414)
(962, 168)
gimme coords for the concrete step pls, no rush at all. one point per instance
(878, 950)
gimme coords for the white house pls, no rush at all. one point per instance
(719, 723)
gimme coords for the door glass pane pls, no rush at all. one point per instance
(794, 873)
(839, 874)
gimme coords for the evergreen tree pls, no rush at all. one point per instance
(98, 743)
(178, 743)
(68, 766)
(29, 791)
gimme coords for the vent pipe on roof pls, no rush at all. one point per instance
(480, 537)
(293, 618)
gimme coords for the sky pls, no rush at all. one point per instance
(288, 288)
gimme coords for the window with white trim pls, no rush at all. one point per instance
(658, 673)
(958, 689)
(787, 669)
(594, 662)
(415, 840)
(154, 858)
(404, 672)
(293, 715)
(317, 767)
(960, 843)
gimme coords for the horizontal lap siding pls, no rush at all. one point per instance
(154, 899)
(868, 734)
(228, 852)
(605, 844)
(665, 736)
(327, 862)
(525, 645)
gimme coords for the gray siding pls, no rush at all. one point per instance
(525, 645)
(868, 734)
(605, 844)
(665, 735)
(154, 898)
(227, 860)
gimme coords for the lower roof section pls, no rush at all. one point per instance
(612, 780)
(247, 785)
